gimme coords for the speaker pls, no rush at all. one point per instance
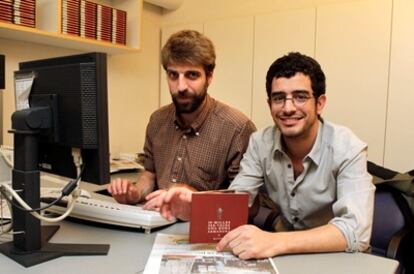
(2, 72)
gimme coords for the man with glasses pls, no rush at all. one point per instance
(314, 170)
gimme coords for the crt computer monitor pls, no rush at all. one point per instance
(78, 85)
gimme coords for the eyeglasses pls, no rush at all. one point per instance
(298, 99)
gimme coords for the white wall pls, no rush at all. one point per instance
(134, 87)
(399, 146)
(352, 40)
(276, 34)
(192, 11)
(353, 47)
(368, 65)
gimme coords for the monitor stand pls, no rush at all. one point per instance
(50, 251)
(30, 244)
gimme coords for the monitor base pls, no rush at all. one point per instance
(50, 251)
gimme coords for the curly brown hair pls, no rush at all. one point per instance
(292, 63)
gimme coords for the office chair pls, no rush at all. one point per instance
(393, 228)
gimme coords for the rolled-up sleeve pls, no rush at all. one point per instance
(354, 207)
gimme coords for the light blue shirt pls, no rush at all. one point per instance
(334, 187)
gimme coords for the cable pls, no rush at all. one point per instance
(72, 189)
(71, 205)
(10, 201)
(77, 160)
(66, 191)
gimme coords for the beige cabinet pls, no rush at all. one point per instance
(48, 32)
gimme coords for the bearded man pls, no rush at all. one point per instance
(196, 141)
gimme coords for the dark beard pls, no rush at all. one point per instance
(191, 106)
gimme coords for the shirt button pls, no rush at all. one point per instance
(292, 194)
(184, 137)
(289, 166)
(295, 219)
(179, 159)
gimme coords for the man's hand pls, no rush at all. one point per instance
(248, 242)
(124, 191)
(177, 203)
(155, 200)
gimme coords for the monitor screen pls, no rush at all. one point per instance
(75, 89)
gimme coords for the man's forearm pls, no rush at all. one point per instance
(326, 238)
(145, 185)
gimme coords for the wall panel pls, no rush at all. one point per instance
(276, 34)
(352, 46)
(399, 149)
(233, 40)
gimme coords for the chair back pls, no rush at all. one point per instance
(388, 221)
(393, 227)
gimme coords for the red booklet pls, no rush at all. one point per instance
(213, 214)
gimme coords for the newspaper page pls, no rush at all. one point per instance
(174, 254)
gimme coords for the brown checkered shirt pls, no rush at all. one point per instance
(206, 155)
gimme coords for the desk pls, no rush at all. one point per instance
(129, 252)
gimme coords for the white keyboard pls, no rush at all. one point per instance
(106, 211)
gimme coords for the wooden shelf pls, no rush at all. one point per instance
(31, 35)
(48, 32)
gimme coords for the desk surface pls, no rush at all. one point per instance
(129, 252)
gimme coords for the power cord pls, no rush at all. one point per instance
(77, 160)
(66, 191)
(71, 189)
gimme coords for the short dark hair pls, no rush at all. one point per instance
(292, 63)
(189, 47)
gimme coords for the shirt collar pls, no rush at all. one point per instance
(277, 137)
(196, 125)
(316, 152)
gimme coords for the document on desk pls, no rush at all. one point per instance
(174, 254)
(118, 165)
